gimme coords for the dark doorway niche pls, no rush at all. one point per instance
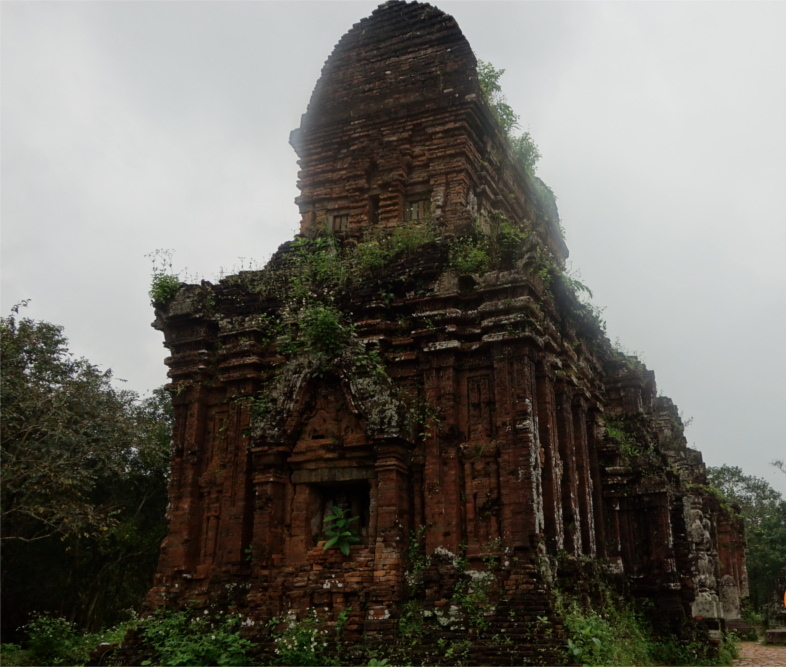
(418, 209)
(353, 496)
(373, 209)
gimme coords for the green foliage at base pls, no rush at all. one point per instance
(52, 640)
(195, 638)
(13, 654)
(410, 620)
(671, 651)
(611, 635)
(178, 638)
(303, 642)
(612, 631)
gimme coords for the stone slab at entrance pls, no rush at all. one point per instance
(777, 636)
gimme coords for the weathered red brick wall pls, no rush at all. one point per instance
(493, 420)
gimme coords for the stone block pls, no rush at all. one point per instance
(775, 636)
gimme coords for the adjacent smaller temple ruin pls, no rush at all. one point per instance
(418, 358)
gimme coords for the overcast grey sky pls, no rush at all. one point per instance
(132, 126)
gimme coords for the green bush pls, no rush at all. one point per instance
(507, 239)
(165, 283)
(671, 651)
(53, 640)
(613, 632)
(619, 432)
(178, 637)
(371, 255)
(339, 532)
(408, 238)
(470, 255)
(377, 250)
(12, 654)
(525, 150)
(194, 638)
(163, 288)
(303, 642)
(615, 636)
(323, 332)
(410, 621)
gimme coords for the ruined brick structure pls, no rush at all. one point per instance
(472, 415)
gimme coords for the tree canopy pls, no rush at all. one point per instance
(84, 469)
(764, 512)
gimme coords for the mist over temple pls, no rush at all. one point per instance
(416, 364)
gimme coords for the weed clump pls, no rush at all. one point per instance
(193, 638)
(606, 629)
(54, 640)
(165, 283)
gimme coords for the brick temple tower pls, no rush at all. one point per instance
(418, 358)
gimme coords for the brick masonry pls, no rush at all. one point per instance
(503, 431)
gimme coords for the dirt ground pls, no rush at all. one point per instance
(753, 653)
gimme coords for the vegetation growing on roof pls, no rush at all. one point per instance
(165, 283)
(524, 147)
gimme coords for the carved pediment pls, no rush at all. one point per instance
(351, 403)
(328, 425)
